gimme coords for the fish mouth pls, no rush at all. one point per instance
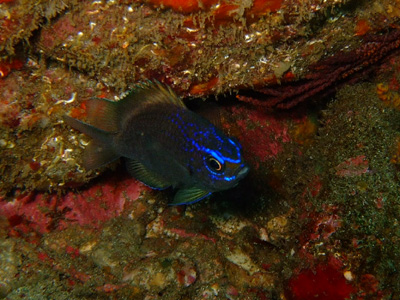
(242, 172)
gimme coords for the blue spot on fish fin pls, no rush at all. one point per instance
(148, 93)
(150, 179)
(189, 196)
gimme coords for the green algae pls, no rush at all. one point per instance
(351, 155)
(370, 203)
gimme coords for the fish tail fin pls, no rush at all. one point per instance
(104, 114)
(90, 130)
(97, 155)
(99, 151)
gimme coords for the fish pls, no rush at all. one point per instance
(163, 143)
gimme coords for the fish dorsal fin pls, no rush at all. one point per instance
(189, 196)
(103, 114)
(107, 115)
(148, 93)
(211, 112)
(150, 179)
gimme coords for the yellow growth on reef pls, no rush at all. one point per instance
(304, 132)
(395, 159)
(389, 97)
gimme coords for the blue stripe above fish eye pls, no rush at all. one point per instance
(217, 155)
(222, 159)
(207, 134)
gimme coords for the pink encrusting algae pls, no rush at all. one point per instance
(354, 166)
(91, 207)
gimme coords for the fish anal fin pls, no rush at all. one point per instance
(150, 179)
(189, 196)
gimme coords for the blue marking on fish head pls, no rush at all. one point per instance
(221, 165)
(214, 161)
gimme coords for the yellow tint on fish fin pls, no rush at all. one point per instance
(148, 93)
(103, 114)
(189, 196)
(150, 179)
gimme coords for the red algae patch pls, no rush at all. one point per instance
(7, 67)
(325, 282)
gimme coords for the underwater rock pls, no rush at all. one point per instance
(95, 48)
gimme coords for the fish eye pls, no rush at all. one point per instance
(214, 164)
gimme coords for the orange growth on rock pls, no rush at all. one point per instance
(204, 88)
(34, 165)
(388, 96)
(304, 132)
(225, 13)
(362, 27)
(289, 76)
(395, 159)
(262, 7)
(79, 112)
(185, 6)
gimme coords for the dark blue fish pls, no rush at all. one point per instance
(164, 143)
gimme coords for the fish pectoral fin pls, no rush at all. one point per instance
(189, 196)
(140, 172)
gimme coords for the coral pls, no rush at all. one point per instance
(19, 18)
(330, 73)
(199, 49)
